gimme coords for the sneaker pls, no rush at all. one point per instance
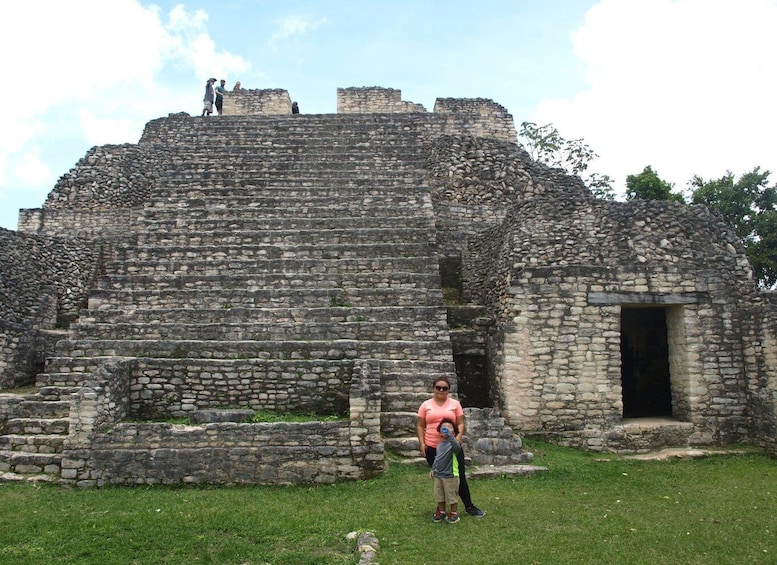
(439, 516)
(452, 518)
(476, 512)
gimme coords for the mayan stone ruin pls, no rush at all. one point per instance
(333, 265)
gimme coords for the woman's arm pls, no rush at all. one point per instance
(462, 427)
(420, 430)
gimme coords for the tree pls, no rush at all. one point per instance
(647, 185)
(749, 206)
(545, 144)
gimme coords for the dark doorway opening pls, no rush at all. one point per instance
(474, 389)
(645, 363)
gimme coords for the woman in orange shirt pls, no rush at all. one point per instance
(430, 414)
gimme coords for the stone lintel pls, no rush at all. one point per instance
(641, 298)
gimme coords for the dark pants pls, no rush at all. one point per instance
(466, 499)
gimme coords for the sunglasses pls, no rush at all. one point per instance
(442, 388)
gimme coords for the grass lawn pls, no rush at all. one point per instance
(586, 509)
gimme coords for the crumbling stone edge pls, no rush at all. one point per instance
(367, 545)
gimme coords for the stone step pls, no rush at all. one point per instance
(287, 201)
(249, 210)
(68, 381)
(193, 177)
(286, 279)
(416, 374)
(301, 136)
(41, 443)
(179, 237)
(346, 146)
(206, 224)
(411, 376)
(306, 139)
(251, 331)
(217, 266)
(352, 250)
(402, 446)
(272, 132)
(30, 463)
(290, 160)
(404, 401)
(38, 408)
(398, 424)
(221, 183)
(224, 185)
(265, 297)
(37, 426)
(95, 349)
(262, 316)
(54, 392)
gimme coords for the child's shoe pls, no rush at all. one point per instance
(439, 516)
(452, 518)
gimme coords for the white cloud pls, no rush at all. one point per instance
(30, 170)
(94, 72)
(682, 85)
(294, 25)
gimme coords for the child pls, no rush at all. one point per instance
(445, 472)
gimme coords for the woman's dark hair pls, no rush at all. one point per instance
(448, 421)
(441, 378)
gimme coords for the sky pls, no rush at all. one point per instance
(684, 86)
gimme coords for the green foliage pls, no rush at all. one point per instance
(647, 185)
(749, 206)
(546, 145)
(587, 508)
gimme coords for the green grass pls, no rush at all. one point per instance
(265, 416)
(587, 509)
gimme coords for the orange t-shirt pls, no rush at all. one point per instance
(434, 413)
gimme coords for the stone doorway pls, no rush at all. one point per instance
(645, 374)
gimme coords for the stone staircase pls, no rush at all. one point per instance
(270, 246)
(33, 434)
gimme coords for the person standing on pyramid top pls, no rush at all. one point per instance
(220, 92)
(207, 100)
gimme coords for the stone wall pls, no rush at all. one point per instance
(23, 347)
(476, 180)
(763, 390)
(44, 284)
(34, 267)
(493, 119)
(373, 99)
(102, 450)
(108, 176)
(553, 266)
(556, 275)
(299, 388)
(256, 101)
(99, 197)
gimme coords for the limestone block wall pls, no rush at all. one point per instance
(256, 101)
(294, 388)
(23, 346)
(226, 452)
(763, 391)
(108, 176)
(101, 195)
(476, 180)
(558, 287)
(44, 285)
(373, 99)
(494, 120)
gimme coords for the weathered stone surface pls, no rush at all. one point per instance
(298, 269)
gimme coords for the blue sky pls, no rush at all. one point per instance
(685, 86)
